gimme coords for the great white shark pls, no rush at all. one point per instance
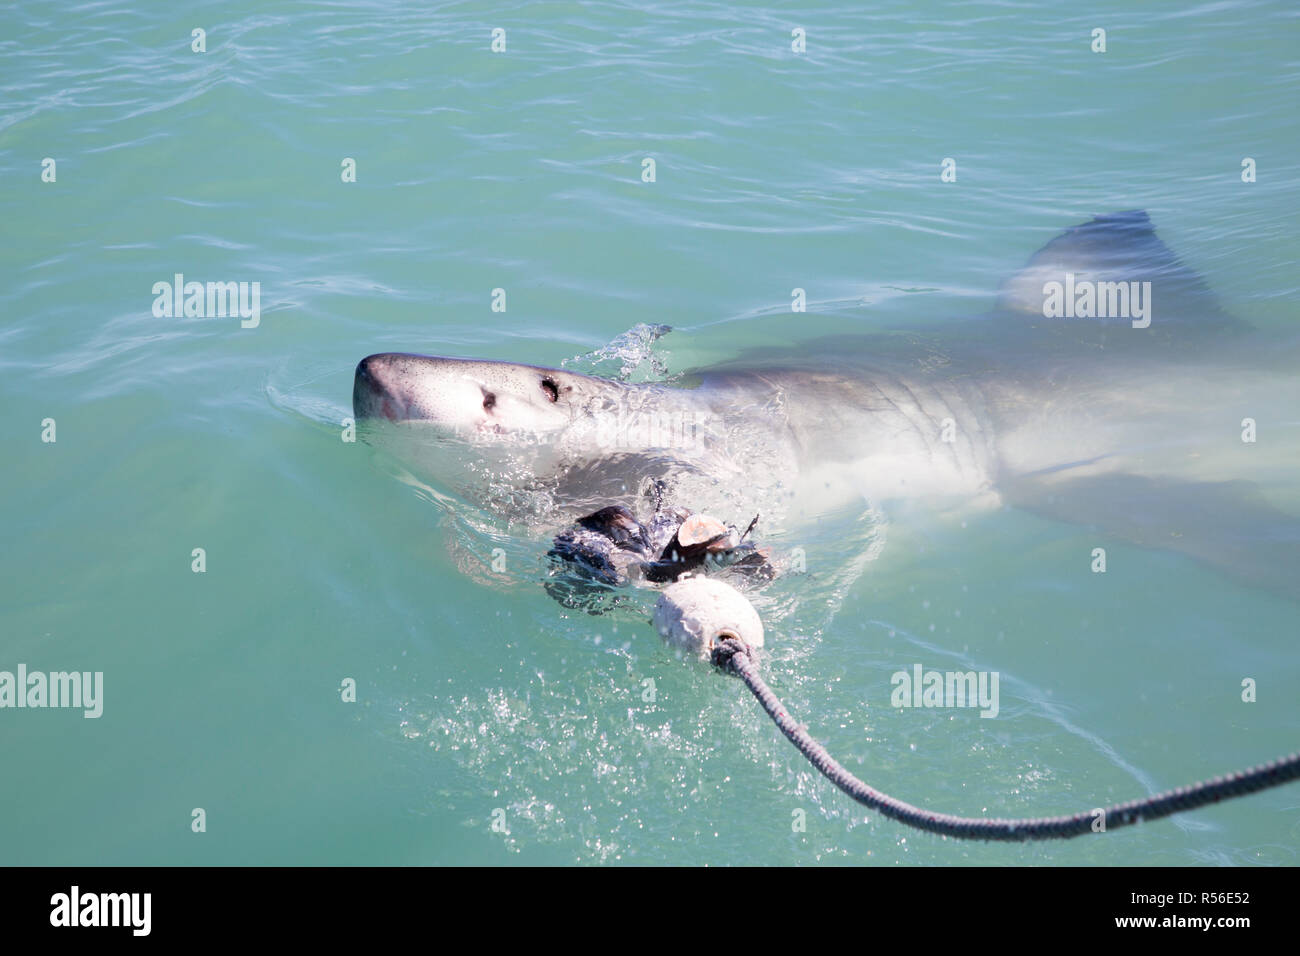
(1107, 387)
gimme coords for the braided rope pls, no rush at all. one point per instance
(732, 655)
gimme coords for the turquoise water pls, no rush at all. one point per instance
(522, 170)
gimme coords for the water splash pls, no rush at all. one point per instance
(630, 357)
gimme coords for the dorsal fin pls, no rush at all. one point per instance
(1120, 247)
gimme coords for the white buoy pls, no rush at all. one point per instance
(696, 613)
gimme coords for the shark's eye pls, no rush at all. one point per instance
(551, 389)
(489, 401)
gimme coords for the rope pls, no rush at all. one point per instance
(734, 656)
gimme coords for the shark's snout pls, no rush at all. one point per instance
(374, 389)
(467, 396)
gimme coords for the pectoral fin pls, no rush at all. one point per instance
(1229, 526)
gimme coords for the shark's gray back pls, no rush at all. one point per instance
(1084, 419)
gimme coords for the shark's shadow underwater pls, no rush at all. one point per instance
(1106, 388)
